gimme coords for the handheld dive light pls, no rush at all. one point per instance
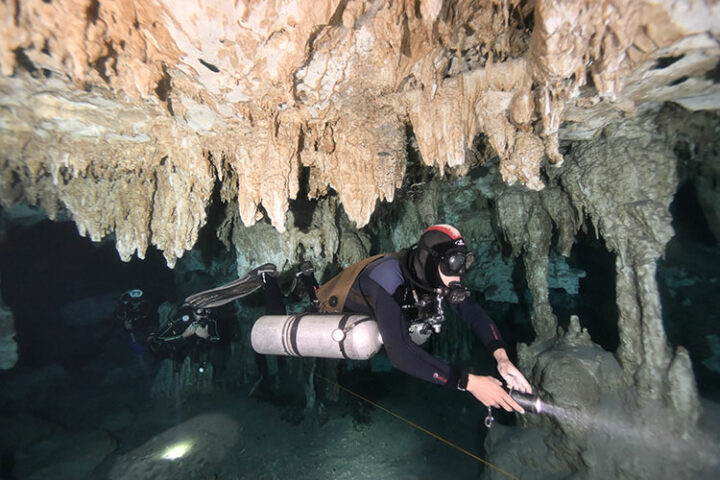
(528, 401)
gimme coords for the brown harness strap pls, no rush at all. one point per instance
(333, 294)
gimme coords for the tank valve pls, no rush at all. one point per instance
(338, 335)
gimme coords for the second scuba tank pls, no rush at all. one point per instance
(353, 336)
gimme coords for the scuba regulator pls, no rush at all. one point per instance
(427, 313)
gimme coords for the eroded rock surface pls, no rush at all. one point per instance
(593, 423)
(126, 115)
(8, 346)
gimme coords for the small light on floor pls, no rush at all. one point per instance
(176, 451)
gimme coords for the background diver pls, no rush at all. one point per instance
(405, 292)
(135, 313)
(190, 333)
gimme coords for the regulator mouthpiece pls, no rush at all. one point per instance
(528, 401)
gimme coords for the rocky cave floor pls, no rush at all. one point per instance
(101, 422)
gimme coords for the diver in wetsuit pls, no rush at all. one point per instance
(194, 330)
(413, 284)
(189, 334)
(425, 277)
(134, 313)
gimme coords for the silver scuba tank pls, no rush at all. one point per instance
(352, 335)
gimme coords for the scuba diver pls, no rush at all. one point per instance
(194, 330)
(186, 335)
(405, 293)
(415, 284)
(134, 314)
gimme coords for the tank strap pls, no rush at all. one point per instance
(333, 294)
(289, 334)
(342, 325)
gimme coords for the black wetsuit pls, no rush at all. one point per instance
(384, 287)
(135, 316)
(133, 313)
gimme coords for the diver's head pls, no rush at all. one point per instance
(440, 257)
(132, 298)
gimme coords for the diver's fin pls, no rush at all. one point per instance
(237, 289)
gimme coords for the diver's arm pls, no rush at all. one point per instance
(473, 314)
(163, 341)
(490, 392)
(169, 332)
(403, 353)
(483, 326)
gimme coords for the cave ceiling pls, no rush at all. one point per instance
(128, 115)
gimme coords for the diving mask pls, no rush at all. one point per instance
(456, 261)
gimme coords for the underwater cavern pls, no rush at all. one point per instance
(155, 152)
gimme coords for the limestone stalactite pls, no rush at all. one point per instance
(528, 228)
(114, 166)
(259, 86)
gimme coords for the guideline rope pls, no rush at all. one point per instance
(415, 425)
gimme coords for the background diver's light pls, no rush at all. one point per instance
(176, 451)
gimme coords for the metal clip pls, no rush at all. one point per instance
(489, 419)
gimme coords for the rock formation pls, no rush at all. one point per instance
(621, 184)
(127, 115)
(8, 348)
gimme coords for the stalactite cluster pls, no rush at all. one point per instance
(254, 91)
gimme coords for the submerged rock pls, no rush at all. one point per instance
(188, 450)
(8, 347)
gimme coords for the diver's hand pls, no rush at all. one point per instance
(490, 392)
(514, 379)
